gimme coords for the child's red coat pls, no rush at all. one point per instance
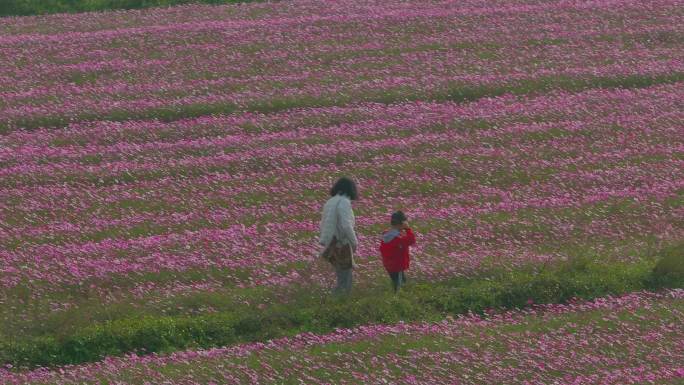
(395, 253)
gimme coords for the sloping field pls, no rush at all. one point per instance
(635, 339)
(173, 163)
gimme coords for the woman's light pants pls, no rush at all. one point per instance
(344, 281)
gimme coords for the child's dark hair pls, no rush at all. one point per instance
(398, 217)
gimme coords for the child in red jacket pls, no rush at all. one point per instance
(394, 248)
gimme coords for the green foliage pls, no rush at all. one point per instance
(669, 271)
(316, 311)
(39, 7)
(466, 93)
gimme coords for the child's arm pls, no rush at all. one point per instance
(409, 238)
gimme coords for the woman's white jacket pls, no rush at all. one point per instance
(338, 221)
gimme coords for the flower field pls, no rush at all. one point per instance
(174, 161)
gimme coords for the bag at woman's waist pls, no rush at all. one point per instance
(339, 255)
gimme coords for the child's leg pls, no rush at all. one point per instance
(395, 277)
(400, 279)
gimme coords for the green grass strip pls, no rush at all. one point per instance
(42, 7)
(316, 311)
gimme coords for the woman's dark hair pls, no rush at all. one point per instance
(345, 186)
(398, 217)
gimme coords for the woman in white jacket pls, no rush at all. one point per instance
(338, 221)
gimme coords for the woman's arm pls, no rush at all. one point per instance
(346, 216)
(327, 227)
